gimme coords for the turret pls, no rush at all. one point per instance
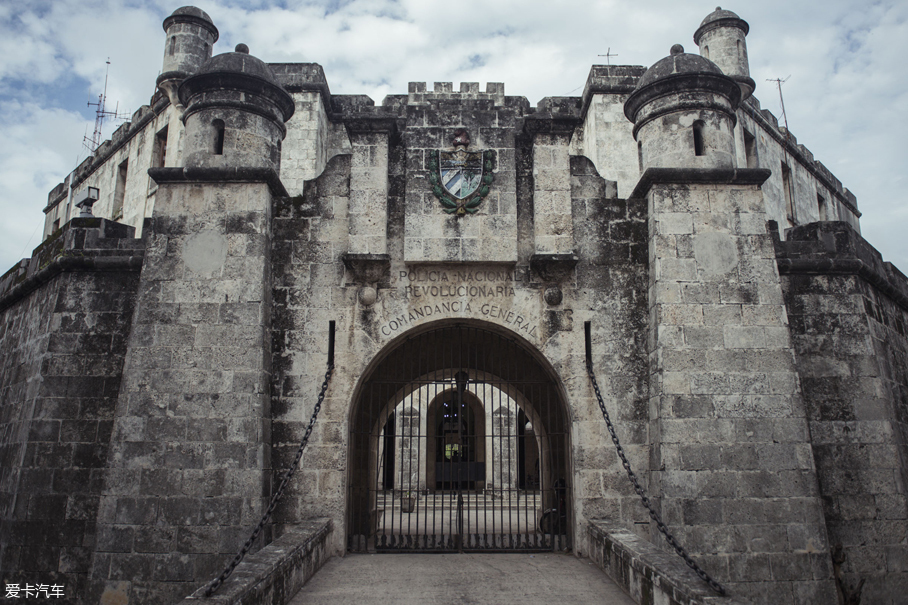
(721, 38)
(683, 111)
(235, 113)
(190, 38)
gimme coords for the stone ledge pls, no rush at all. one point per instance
(367, 269)
(273, 575)
(649, 575)
(239, 174)
(699, 176)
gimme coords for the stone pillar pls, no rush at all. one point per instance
(553, 225)
(368, 210)
(737, 482)
(408, 444)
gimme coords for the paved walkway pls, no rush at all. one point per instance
(452, 579)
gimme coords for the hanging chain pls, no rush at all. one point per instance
(277, 495)
(643, 497)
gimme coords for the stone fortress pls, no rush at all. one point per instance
(161, 358)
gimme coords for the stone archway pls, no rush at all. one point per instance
(438, 436)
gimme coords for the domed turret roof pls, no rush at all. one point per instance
(239, 62)
(717, 14)
(676, 63)
(720, 18)
(193, 11)
(680, 81)
(191, 14)
(239, 72)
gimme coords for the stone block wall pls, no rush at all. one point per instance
(63, 326)
(611, 293)
(310, 238)
(368, 207)
(189, 459)
(737, 478)
(848, 312)
(554, 230)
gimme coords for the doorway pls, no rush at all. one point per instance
(459, 441)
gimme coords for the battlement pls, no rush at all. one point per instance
(417, 92)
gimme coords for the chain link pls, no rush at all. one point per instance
(643, 497)
(277, 495)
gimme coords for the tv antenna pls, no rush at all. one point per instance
(101, 114)
(608, 56)
(779, 82)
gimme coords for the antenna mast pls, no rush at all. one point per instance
(101, 114)
(779, 82)
(608, 56)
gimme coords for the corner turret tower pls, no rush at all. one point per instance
(721, 38)
(190, 37)
(235, 113)
(209, 246)
(683, 111)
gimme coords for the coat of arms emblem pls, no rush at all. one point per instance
(461, 179)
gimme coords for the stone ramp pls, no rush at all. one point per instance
(501, 578)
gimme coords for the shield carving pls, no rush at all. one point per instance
(461, 179)
(461, 172)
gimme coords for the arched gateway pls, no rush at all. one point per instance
(459, 441)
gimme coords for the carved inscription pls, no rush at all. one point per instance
(459, 283)
(518, 322)
(472, 292)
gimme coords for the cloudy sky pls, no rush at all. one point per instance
(846, 97)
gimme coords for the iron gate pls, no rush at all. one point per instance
(459, 442)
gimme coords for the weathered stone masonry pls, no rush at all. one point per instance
(153, 389)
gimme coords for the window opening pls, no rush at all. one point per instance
(640, 155)
(822, 209)
(750, 150)
(706, 52)
(160, 148)
(218, 137)
(786, 190)
(120, 190)
(173, 44)
(698, 138)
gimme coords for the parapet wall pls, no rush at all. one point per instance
(848, 312)
(64, 317)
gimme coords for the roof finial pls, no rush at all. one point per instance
(242, 48)
(677, 49)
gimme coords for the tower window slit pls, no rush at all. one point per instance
(698, 138)
(173, 46)
(750, 150)
(788, 193)
(218, 147)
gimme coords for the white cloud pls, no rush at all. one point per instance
(845, 98)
